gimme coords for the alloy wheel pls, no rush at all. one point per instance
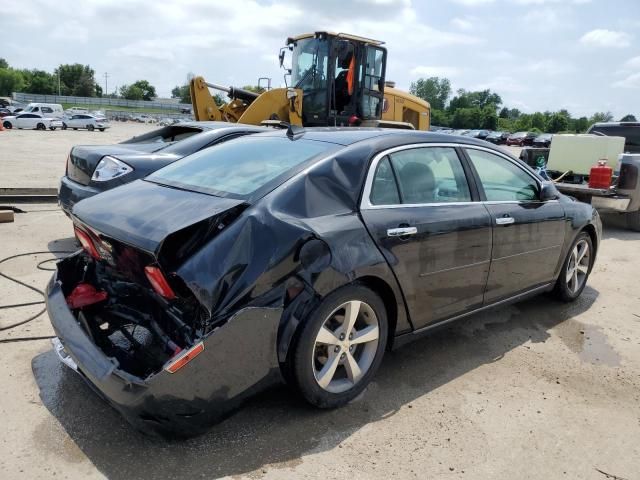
(578, 266)
(345, 346)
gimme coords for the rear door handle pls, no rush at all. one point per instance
(401, 231)
(505, 221)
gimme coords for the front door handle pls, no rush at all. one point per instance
(401, 231)
(505, 221)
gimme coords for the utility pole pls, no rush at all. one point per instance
(106, 90)
(59, 82)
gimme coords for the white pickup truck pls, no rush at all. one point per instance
(569, 159)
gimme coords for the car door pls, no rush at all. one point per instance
(74, 121)
(27, 120)
(425, 218)
(528, 233)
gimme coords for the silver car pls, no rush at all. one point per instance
(84, 120)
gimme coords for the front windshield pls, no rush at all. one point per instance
(240, 167)
(309, 64)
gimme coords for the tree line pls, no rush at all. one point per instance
(68, 79)
(484, 109)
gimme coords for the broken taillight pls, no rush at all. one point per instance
(84, 295)
(87, 243)
(158, 282)
(185, 357)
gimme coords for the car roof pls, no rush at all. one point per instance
(211, 125)
(348, 135)
(616, 124)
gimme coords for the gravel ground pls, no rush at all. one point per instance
(534, 390)
(34, 158)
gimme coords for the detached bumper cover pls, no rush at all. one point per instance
(239, 360)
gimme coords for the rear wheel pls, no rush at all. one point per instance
(41, 126)
(340, 347)
(575, 269)
(90, 128)
(633, 220)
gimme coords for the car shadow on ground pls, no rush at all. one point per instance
(615, 226)
(276, 427)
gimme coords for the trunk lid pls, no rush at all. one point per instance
(144, 214)
(83, 159)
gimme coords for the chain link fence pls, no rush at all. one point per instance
(101, 103)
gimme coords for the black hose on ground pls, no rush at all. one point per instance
(30, 287)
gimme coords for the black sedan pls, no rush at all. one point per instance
(543, 140)
(301, 255)
(96, 168)
(498, 138)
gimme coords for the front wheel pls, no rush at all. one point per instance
(7, 125)
(340, 347)
(101, 129)
(52, 128)
(575, 269)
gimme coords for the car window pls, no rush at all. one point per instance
(630, 133)
(501, 179)
(239, 168)
(384, 190)
(47, 110)
(429, 175)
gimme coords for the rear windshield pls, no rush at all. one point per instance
(630, 133)
(168, 134)
(241, 168)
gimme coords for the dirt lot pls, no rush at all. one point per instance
(33, 158)
(535, 390)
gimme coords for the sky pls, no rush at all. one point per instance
(581, 55)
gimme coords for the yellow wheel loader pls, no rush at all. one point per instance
(337, 80)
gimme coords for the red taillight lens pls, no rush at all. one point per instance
(354, 121)
(87, 243)
(158, 282)
(184, 358)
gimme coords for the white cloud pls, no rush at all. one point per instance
(472, 3)
(434, 71)
(548, 67)
(545, 2)
(632, 81)
(633, 63)
(502, 83)
(465, 23)
(601, 37)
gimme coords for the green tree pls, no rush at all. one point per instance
(434, 90)
(601, 117)
(98, 90)
(148, 90)
(505, 125)
(39, 81)
(218, 98)
(253, 88)
(629, 118)
(4, 63)
(522, 123)
(183, 93)
(489, 118)
(558, 123)
(76, 79)
(538, 121)
(10, 81)
(579, 125)
(440, 118)
(131, 92)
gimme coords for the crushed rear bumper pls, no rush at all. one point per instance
(239, 360)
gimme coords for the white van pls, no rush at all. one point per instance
(49, 110)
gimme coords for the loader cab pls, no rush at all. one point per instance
(341, 77)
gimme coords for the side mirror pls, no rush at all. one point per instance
(548, 192)
(281, 56)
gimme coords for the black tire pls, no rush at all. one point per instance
(101, 129)
(64, 126)
(91, 128)
(7, 125)
(41, 126)
(633, 220)
(75, 128)
(303, 351)
(52, 128)
(565, 289)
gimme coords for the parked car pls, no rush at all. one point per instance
(75, 111)
(498, 138)
(30, 121)
(301, 254)
(144, 119)
(521, 139)
(84, 120)
(460, 132)
(49, 110)
(629, 130)
(4, 112)
(94, 169)
(479, 134)
(542, 141)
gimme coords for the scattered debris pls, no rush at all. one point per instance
(609, 475)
